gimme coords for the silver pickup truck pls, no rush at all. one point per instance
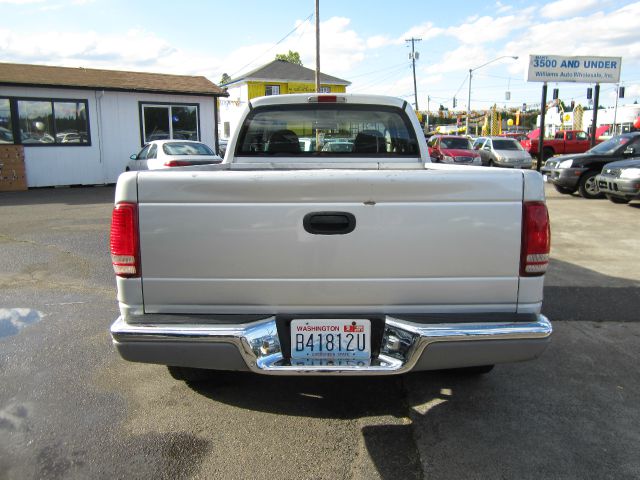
(328, 243)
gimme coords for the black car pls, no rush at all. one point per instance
(577, 172)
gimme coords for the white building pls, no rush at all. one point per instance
(79, 126)
(618, 120)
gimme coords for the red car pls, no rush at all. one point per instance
(454, 149)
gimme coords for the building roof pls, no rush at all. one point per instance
(281, 70)
(89, 78)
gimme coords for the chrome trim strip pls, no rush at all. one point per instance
(402, 345)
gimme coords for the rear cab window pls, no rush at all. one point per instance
(335, 130)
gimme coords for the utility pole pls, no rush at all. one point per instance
(318, 46)
(543, 109)
(594, 121)
(413, 57)
(428, 105)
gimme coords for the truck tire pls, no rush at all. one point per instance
(192, 375)
(588, 186)
(479, 370)
(617, 199)
(564, 190)
(547, 153)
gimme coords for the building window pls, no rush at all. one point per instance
(325, 90)
(6, 127)
(160, 122)
(272, 90)
(49, 122)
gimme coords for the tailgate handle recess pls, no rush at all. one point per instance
(329, 223)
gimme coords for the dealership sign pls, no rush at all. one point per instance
(554, 68)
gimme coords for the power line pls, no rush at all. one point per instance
(380, 80)
(274, 45)
(380, 70)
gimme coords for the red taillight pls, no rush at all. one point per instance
(124, 241)
(536, 240)
(327, 99)
(176, 163)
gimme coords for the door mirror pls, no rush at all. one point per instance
(486, 147)
(630, 151)
(134, 156)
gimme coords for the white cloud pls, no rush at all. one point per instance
(502, 8)
(611, 34)
(425, 31)
(140, 50)
(567, 8)
(341, 48)
(136, 47)
(460, 59)
(487, 29)
(378, 41)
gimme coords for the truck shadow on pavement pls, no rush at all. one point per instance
(379, 407)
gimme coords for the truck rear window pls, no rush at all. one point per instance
(335, 130)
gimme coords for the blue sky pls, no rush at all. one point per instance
(362, 42)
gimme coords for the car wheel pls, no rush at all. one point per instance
(588, 186)
(617, 199)
(127, 169)
(490, 164)
(564, 190)
(194, 375)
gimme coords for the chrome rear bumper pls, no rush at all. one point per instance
(406, 346)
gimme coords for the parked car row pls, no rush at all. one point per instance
(608, 169)
(496, 151)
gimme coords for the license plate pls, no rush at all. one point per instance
(545, 178)
(330, 339)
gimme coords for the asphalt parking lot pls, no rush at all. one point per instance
(71, 408)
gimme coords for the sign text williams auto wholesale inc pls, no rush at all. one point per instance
(553, 68)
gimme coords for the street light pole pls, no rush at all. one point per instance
(318, 46)
(466, 126)
(470, 76)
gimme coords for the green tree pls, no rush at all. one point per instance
(291, 57)
(224, 79)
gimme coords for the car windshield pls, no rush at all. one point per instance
(506, 144)
(457, 143)
(610, 145)
(186, 148)
(316, 130)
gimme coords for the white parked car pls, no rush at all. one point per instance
(503, 152)
(172, 153)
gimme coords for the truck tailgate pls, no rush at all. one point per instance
(424, 241)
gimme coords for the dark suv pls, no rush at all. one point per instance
(577, 172)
